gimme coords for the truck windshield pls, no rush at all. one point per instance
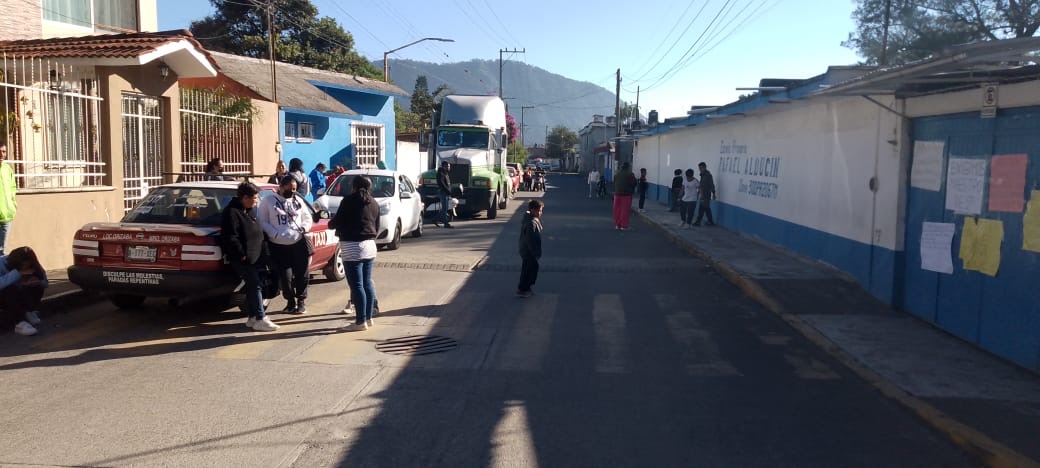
(463, 139)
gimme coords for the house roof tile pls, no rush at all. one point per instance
(130, 45)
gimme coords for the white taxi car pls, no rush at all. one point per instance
(400, 207)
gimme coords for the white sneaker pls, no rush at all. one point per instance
(354, 327)
(33, 317)
(347, 309)
(25, 329)
(250, 322)
(368, 323)
(265, 324)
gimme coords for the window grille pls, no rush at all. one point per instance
(49, 117)
(368, 144)
(306, 131)
(210, 130)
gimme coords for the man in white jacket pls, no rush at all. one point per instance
(285, 218)
(593, 182)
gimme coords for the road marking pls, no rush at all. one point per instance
(511, 440)
(810, 369)
(338, 348)
(530, 337)
(608, 320)
(700, 353)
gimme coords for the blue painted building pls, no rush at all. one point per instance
(824, 167)
(323, 116)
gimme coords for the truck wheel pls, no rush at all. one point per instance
(334, 270)
(126, 301)
(395, 242)
(503, 202)
(492, 211)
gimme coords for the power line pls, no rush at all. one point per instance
(672, 47)
(504, 27)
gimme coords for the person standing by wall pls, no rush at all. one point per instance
(593, 182)
(317, 177)
(641, 186)
(8, 204)
(444, 193)
(676, 192)
(279, 172)
(688, 199)
(624, 184)
(707, 194)
(357, 224)
(285, 219)
(530, 247)
(242, 239)
(303, 183)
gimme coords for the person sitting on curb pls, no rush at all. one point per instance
(22, 281)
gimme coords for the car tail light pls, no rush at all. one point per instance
(201, 252)
(90, 248)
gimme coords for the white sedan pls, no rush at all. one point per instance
(400, 207)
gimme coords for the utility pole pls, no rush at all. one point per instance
(270, 50)
(522, 126)
(617, 105)
(638, 88)
(883, 60)
(500, 52)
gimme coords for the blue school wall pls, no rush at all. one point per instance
(999, 313)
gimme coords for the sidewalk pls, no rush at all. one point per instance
(986, 405)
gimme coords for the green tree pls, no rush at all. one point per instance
(406, 121)
(561, 139)
(517, 153)
(918, 29)
(302, 38)
(425, 103)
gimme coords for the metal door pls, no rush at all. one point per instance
(142, 146)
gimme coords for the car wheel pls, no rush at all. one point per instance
(492, 211)
(126, 301)
(503, 202)
(334, 270)
(396, 241)
(418, 229)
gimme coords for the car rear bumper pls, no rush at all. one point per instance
(154, 283)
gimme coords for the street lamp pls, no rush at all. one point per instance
(386, 66)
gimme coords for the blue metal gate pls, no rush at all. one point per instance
(1001, 313)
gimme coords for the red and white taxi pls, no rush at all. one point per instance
(168, 246)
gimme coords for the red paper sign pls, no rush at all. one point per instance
(1007, 183)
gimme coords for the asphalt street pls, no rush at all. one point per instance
(630, 353)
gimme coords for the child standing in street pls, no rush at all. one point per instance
(530, 247)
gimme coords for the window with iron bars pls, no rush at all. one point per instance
(368, 144)
(49, 117)
(215, 124)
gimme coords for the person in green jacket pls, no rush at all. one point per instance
(8, 205)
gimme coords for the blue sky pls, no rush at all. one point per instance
(655, 44)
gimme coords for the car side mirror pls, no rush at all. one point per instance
(405, 195)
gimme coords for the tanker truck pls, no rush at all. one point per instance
(471, 135)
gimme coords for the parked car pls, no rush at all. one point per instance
(400, 207)
(168, 246)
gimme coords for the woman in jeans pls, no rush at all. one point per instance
(357, 224)
(243, 241)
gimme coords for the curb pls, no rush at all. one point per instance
(975, 443)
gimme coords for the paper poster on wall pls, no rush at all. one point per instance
(1007, 182)
(980, 245)
(965, 183)
(1031, 224)
(936, 247)
(928, 165)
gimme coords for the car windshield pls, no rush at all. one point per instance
(463, 139)
(382, 186)
(183, 205)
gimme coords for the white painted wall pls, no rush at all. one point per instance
(828, 149)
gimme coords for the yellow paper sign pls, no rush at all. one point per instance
(1031, 224)
(980, 245)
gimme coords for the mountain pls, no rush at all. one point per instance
(558, 100)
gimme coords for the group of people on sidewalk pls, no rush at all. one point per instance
(688, 192)
(272, 239)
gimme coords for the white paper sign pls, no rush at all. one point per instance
(965, 185)
(928, 165)
(936, 247)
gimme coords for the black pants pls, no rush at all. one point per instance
(17, 300)
(291, 262)
(673, 200)
(705, 208)
(686, 210)
(528, 273)
(642, 198)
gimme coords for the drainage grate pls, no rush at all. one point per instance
(416, 345)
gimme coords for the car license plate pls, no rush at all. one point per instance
(141, 253)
